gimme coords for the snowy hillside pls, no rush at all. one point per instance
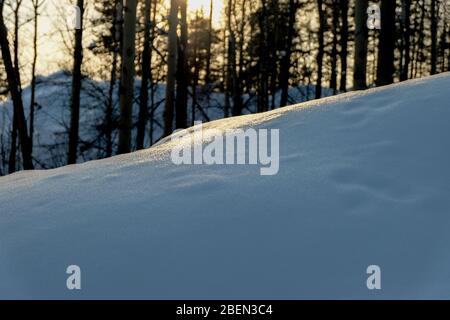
(52, 117)
(364, 179)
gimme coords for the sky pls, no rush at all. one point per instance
(199, 4)
(51, 49)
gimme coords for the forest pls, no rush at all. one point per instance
(131, 72)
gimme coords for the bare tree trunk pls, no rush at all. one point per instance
(274, 54)
(36, 5)
(434, 22)
(231, 63)
(407, 39)
(143, 101)
(236, 76)
(443, 44)
(13, 149)
(195, 77)
(226, 76)
(286, 60)
(421, 41)
(153, 84)
(109, 106)
(263, 94)
(448, 46)
(448, 55)
(416, 36)
(13, 85)
(242, 37)
(182, 71)
(171, 68)
(127, 77)
(320, 53)
(334, 52)
(118, 20)
(209, 45)
(16, 41)
(76, 90)
(344, 44)
(361, 35)
(385, 70)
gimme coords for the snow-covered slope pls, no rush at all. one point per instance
(364, 180)
(52, 117)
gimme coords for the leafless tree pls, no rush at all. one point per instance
(127, 77)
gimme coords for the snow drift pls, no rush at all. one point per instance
(52, 116)
(364, 179)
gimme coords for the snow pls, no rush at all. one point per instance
(364, 179)
(52, 116)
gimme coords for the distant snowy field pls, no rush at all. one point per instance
(364, 180)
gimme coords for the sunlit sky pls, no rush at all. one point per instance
(51, 49)
(205, 4)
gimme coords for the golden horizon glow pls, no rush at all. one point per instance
(52, 52)
(204, 5)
